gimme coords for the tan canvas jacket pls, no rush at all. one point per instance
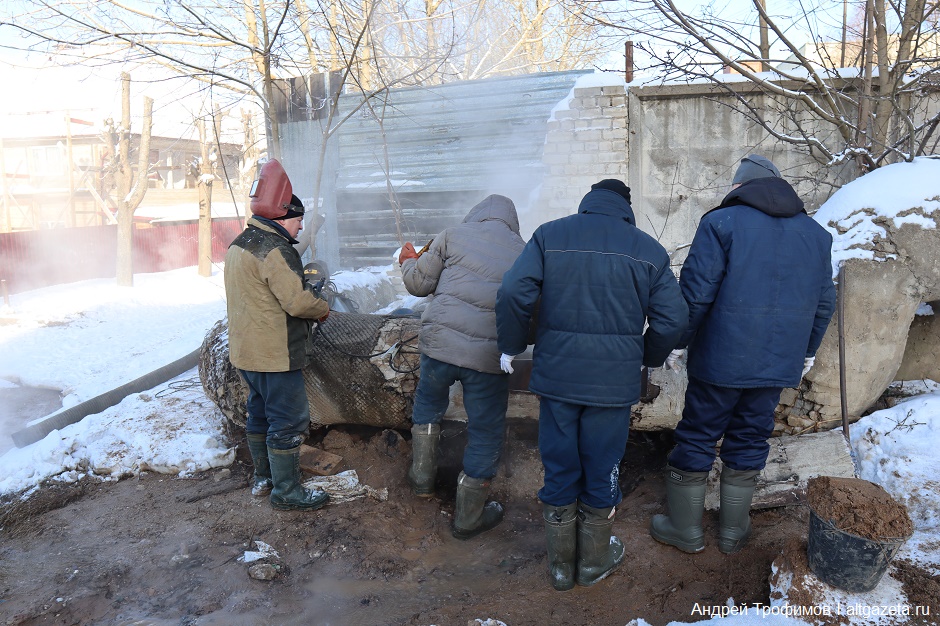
(270, 307)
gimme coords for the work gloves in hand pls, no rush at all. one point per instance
(673, 361)
(807, 365)
(505, 363)
(407, 252)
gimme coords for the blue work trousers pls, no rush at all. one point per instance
(744, 417)
(277, 407)
(485, 398)
(581, 448)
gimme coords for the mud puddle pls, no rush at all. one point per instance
(19, 405)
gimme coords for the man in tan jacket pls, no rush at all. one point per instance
(270, 312)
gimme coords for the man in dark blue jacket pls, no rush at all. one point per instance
(598, 280)
(758, 281)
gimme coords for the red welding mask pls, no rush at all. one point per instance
(271, 192)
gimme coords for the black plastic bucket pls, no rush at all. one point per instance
(845, 560)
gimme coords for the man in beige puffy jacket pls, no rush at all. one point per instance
(463, 269)
(270, 312)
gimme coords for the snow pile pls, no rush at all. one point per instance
(367, 278)
(896, 448)
(904, 193)
(89, 337)
(169, 431)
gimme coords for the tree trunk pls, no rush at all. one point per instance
(205, 204)
(131, 189)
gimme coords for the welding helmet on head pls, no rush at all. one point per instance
(271, 193)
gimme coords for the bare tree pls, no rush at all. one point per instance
(473, 40)
(233, 44)
(130, 186)
(875, 111)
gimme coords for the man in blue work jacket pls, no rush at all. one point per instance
(598, 281)
(758, 282)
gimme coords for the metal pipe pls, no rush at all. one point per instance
(628, 65)
(840, 299)
(36, 430)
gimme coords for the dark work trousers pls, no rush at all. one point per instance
(485, 398)
(277, 407)
(581, 448)
(744, 417)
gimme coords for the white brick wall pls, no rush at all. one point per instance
(585, 144)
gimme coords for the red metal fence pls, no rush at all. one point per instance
(40, 258)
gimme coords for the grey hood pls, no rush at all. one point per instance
(495, 207)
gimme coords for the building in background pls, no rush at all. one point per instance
(60, 180)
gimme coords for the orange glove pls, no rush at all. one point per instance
(323, 319)
(407, 252)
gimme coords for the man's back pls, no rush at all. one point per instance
(463, 269)
(755, 279)
(600, 279)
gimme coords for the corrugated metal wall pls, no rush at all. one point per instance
(425, 156)
(436, 152)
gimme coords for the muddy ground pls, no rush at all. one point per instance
(159, 550)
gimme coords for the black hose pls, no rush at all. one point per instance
(35, 432)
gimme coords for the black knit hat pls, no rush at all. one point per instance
(294, 209)
(617, 186)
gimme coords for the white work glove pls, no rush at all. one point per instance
(807, 365)
(674, 358)
(505, 363)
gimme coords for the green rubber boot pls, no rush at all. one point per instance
(562, 535)
(423, 471)
(288, 494)
(261, 480)
(474, 514)
(599, 553)
(682, 528)
(734, 517)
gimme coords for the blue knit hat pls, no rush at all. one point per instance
(617, 186)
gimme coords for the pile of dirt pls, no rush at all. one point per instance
(921, 587)
(859, 507)
(791, 576)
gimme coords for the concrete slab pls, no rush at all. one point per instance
(791, 463)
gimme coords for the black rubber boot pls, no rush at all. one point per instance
(685, 495)
(562, 535)
(598, 552)
(474, 514)
(288, 494)
(734, 517)
(423, 471)
(261, 480)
